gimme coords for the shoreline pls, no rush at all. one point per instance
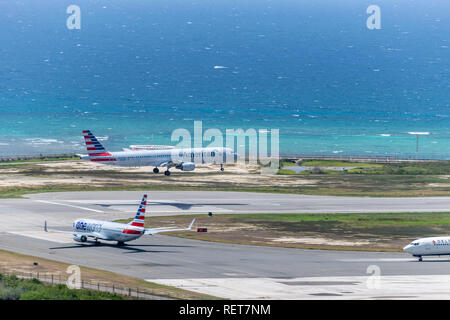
(287, 157)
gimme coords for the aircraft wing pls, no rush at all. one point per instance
(66, 232)
(152, 231)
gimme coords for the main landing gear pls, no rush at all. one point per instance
(420, 259)
(120, 243)
(156, 170)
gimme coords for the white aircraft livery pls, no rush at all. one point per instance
(113, 231)
(434, 246)
(183, 159)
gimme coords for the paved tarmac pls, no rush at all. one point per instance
(226, 270)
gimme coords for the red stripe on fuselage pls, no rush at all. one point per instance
(99, 154)
(101, 160)
(128, 231)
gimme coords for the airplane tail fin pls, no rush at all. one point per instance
(140, 215)
(94, 147)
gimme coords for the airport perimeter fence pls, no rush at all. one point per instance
(38, 157)
(381, 159)
(54, 279)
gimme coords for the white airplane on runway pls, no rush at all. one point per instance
(113, 231)
(434, 246)
(183, 159)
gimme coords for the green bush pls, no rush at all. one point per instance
(13, 288)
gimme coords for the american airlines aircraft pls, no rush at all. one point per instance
(435, 246)
(113, 231)
(183, 159)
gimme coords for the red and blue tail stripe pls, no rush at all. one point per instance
(140, 215)
(96, 151)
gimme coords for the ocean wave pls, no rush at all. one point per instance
(42, 141)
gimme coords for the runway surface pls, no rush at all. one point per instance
(226, 270)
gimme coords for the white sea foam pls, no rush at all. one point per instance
(41, 141)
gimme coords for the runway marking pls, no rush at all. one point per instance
(190, 211)
(112, 202)
(69, 205)
(379, 260)
(42, 235)
(196, 208)
(314, 288)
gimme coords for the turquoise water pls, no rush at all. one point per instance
(137, 70)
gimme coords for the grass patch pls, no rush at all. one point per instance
(368, 168)
(16, 263)
(336, 185)
(287, 163)
(13, 288)
(338, 163)
(40, 160)
(390, 180)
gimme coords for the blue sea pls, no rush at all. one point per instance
(139, 69)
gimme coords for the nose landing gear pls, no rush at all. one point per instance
(167, 173)
(222, 168)
(155, 170)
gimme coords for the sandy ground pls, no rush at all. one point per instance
(319, 241)
(68, 173)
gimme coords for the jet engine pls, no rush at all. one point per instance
(80, 238)
(186, 166)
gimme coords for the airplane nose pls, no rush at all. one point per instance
(407, 248)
